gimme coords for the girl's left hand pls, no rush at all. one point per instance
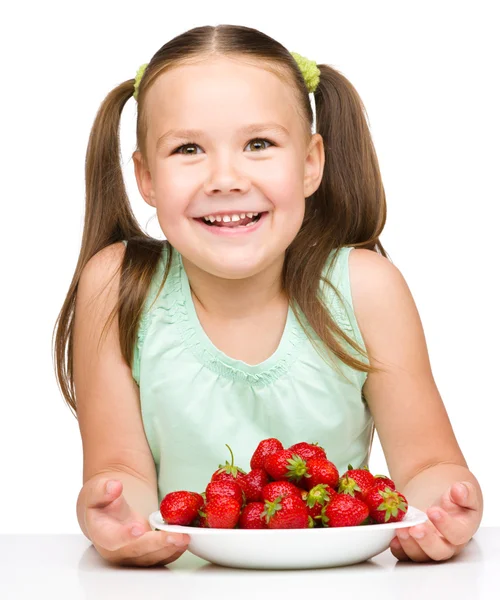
(452, 523)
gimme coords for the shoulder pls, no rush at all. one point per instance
(381, 298)
(99, 282)
(104, 266)
(371, 273)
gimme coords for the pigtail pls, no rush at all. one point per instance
(352, 188)
(108, 219)
(348, 209)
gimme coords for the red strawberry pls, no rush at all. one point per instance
(356, 482)
(287, 513)
(251, 516)
(381, 481)
(285, 466)
(280, 488)
(222, 513)
(252, 484)
(181, 507)
(229, 472)
(386, 506)
(317, 498)
(264, 449)
(307, 451)
(321, 470)
(344, 511)
(227, 489)
(200, 521)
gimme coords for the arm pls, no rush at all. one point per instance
(108, 402)
(139, 494)
(422, 453)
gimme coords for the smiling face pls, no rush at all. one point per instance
(248, 155)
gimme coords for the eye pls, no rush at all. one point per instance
(193, 145)
(188, 145)
(260, 140)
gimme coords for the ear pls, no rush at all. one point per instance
(314, 165)
(143, 178)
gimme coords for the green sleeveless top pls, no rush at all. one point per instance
(195, 399)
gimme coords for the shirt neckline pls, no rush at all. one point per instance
(280, 357)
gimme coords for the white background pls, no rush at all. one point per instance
(428, 75)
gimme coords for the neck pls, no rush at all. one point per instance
(236, 298)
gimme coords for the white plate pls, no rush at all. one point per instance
(290, 548)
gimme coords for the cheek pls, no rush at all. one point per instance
(171, 199)
(287, 197)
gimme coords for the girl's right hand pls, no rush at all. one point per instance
(111, 524)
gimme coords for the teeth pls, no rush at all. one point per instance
(229, 218)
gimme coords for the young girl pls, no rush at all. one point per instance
(271, 310)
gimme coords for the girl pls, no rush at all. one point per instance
(270, 310)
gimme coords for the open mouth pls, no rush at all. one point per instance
(234, 220)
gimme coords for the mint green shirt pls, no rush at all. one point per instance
(195, 399)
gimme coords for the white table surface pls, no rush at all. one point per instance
(68, 566)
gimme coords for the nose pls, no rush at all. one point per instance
(226, 178)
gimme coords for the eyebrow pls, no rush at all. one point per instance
(193, 133)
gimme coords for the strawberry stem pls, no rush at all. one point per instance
(232, 456)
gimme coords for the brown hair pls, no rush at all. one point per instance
(348, 208)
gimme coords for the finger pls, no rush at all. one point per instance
(111, 534)
(455, 528)
(431, 544)
(397, 550)
(411, 547)
(103, 491)
(151, 543)
(161, 557)
(465, 495)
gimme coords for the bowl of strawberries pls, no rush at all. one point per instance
(291, 510)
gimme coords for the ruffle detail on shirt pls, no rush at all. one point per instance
(174, 304)
(139, 342)
(338, 307)
(339, 312)
(341, 307)
(147, 313)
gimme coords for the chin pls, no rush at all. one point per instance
(234, 268)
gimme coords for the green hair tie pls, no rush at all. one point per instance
(138, 77)
(309, 70)
(308, 67)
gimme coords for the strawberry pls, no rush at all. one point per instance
(264, 449)
(200, 521)
(344, 511)
(229, 472)
(181, 507)
(307, 451)
(356, 482)
(381, 481)
(287, 513)
(285, 465)
(316, 499)
(252, 484)
(386, 506)
(221, 513)
(381, 485)
(321, 470)
(280, 488)
(227, 489)
(251, 516)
